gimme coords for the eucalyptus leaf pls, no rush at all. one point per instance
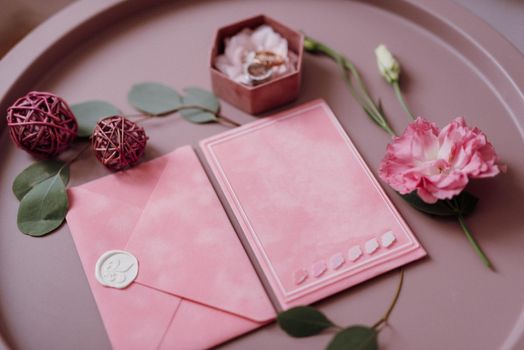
(199, 97)
(154, 98)
(464, 204)
(43, 208)
(200, 117)
(89, 113)
(36, 173)
(354, 338)
(303, 321)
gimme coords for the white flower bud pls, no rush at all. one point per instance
(387, 64)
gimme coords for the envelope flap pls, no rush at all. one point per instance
(186, 245)
(134, 186)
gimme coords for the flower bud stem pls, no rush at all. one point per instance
(385, 317)
(401, 100)
(360, 93)
(474, 243)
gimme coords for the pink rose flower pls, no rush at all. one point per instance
(438, 164)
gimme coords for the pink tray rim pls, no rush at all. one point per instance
(23, 65)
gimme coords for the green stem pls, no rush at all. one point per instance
(361, 95)
(385, 317)
(140, 117)
(205, 109)
(369, 107)
(474, 243)
(73, 159)
(347, 65)
(347, 79)
(365, 100)
(337, 328)
(220, 118)
(400, 98)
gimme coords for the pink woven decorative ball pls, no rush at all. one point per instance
(118, 142)
(42, 124)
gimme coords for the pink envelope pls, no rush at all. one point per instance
(195, 287)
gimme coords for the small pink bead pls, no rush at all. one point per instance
(336, 261)
(300, 276)
(318, 268)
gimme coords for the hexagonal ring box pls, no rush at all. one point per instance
(265, 96)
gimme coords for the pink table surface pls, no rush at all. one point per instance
(455, 65)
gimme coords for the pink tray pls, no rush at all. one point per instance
(455, 65)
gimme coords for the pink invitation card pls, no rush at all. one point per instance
(308, 209)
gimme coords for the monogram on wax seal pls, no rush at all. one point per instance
(116, 269)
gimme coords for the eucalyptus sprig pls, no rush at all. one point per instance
(41, 187)
(306, 321)
(196, 106)
(41, 190)
(358, 90)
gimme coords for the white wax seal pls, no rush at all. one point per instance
(116, 269)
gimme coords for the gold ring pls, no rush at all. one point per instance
(258, 72)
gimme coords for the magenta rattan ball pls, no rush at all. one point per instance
(42, 124)
(118, 142)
